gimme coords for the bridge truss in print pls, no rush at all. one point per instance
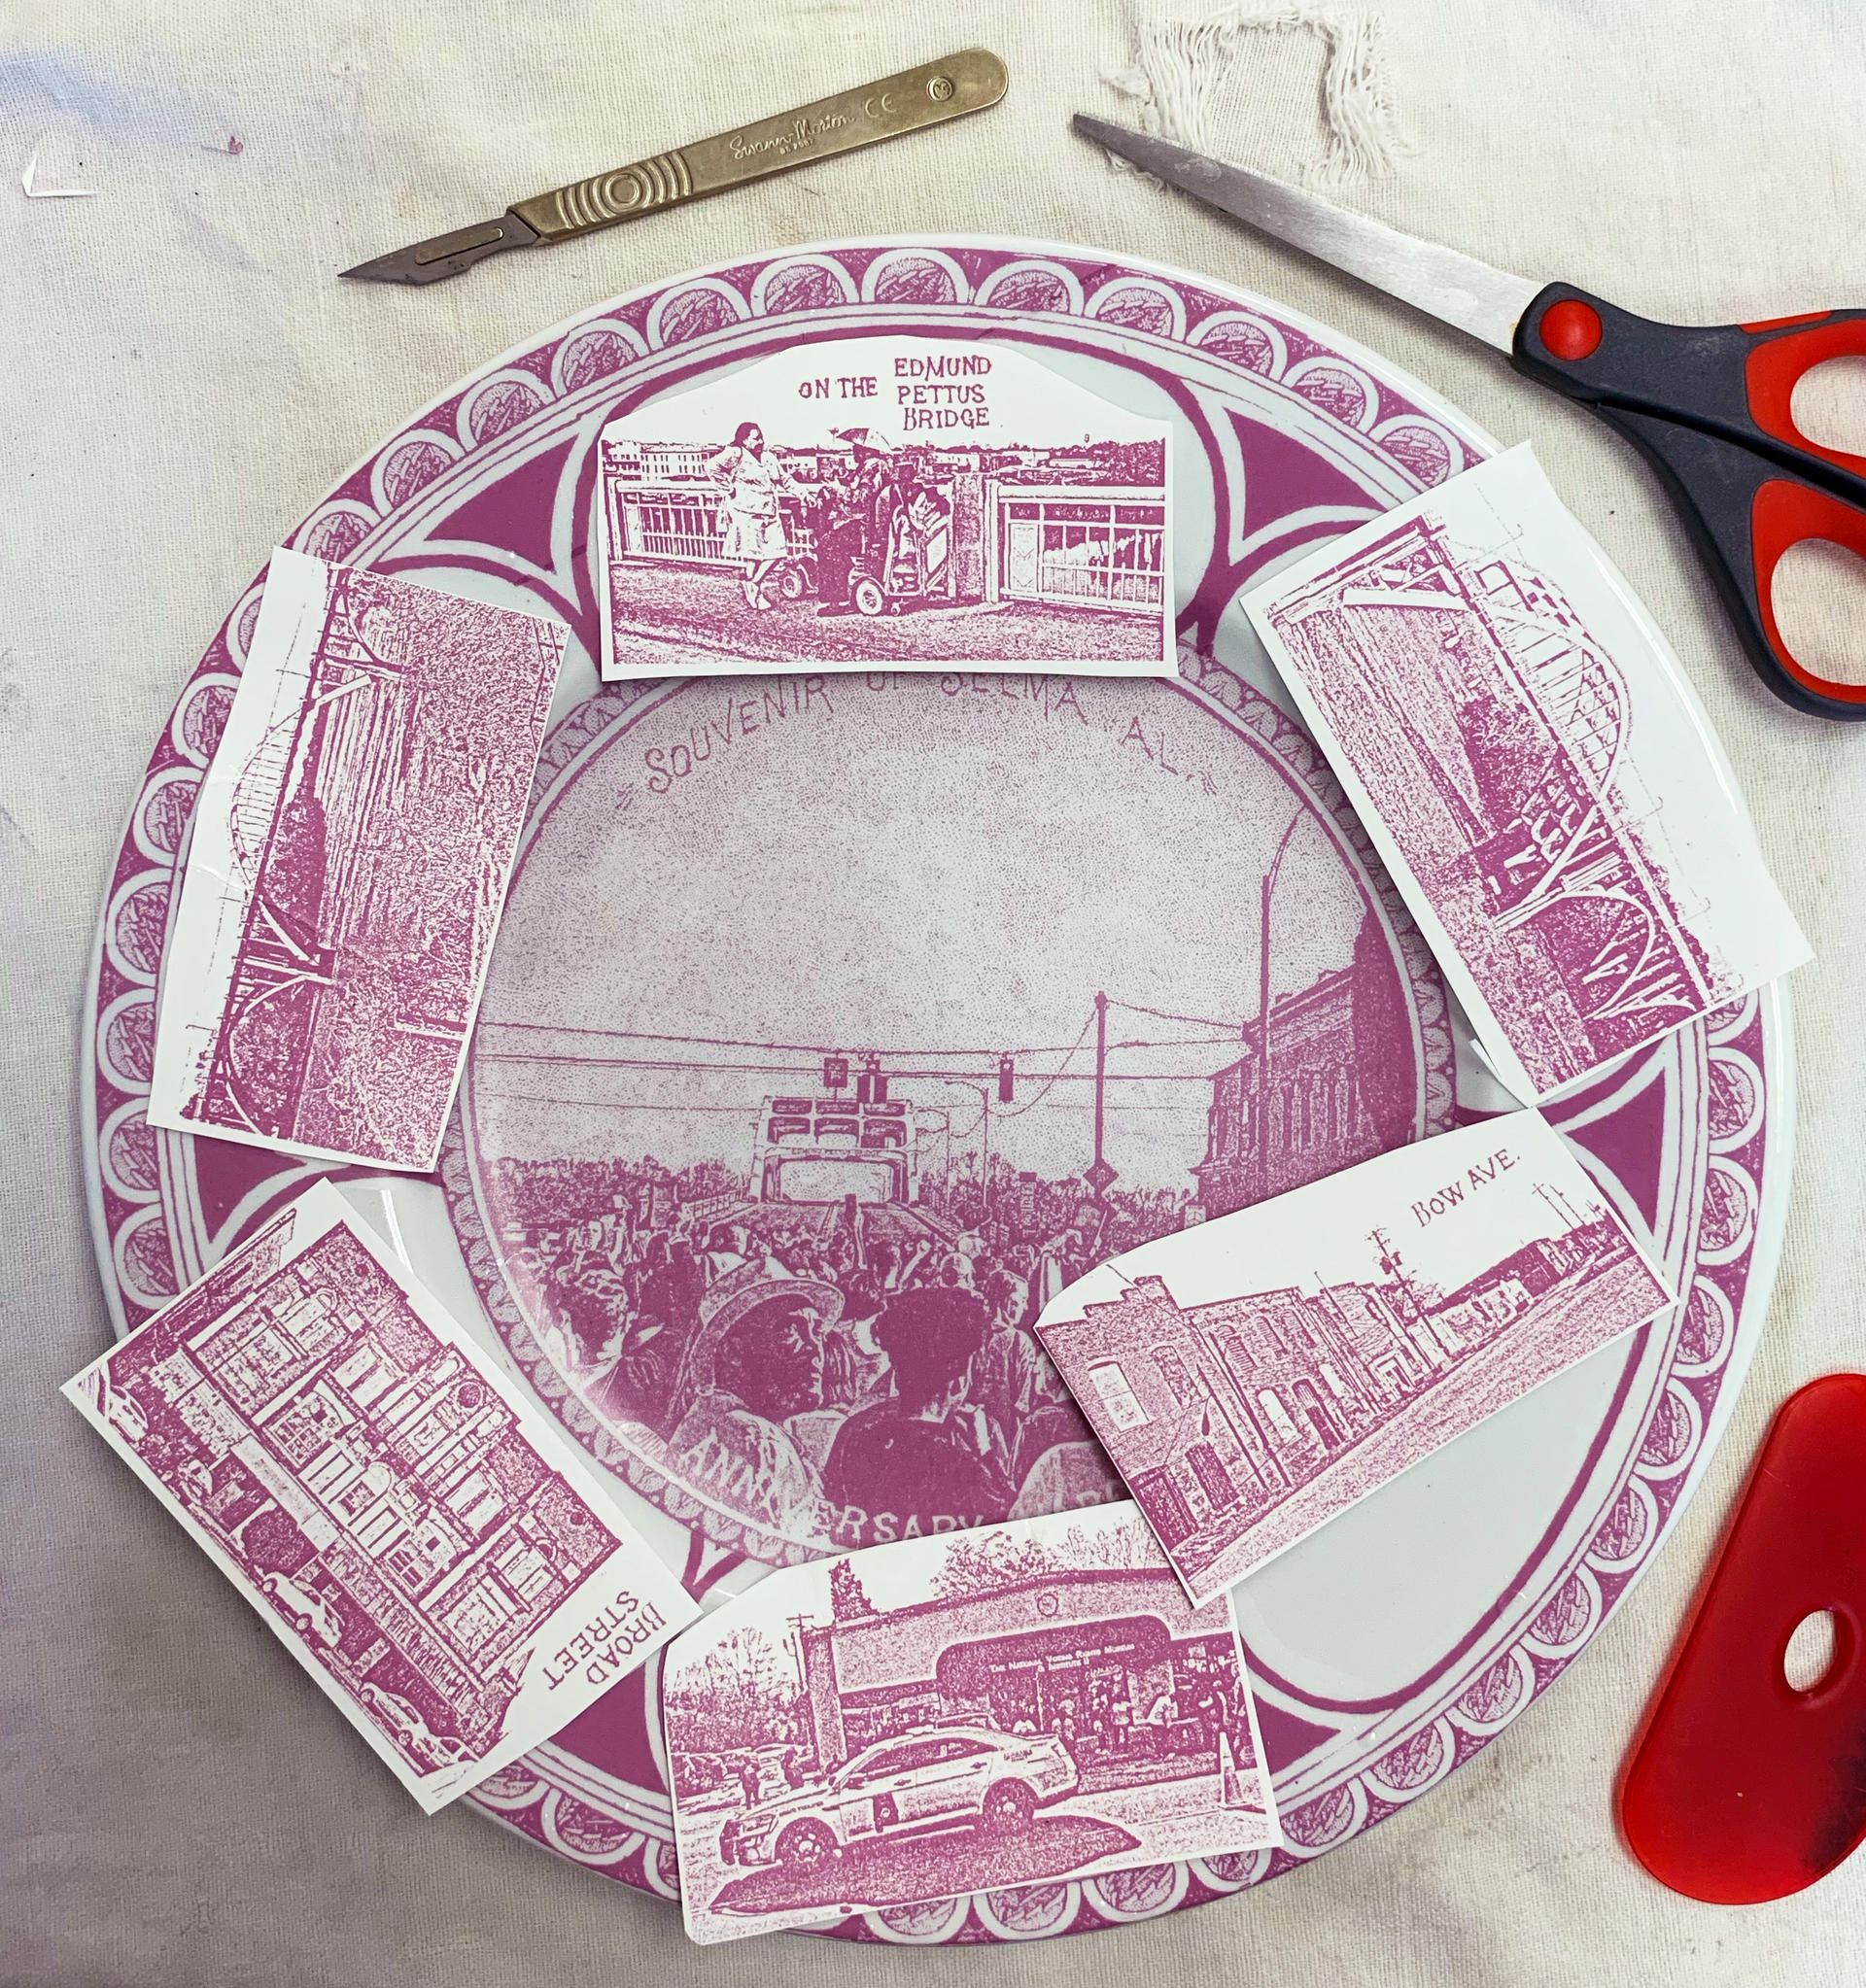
(1510, 716)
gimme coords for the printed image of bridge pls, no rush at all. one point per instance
(370, 832)
(868, 552)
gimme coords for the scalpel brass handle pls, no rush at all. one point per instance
(971, 80)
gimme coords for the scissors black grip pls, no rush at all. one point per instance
(1709, 407)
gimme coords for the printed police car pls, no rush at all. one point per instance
(901, 1787)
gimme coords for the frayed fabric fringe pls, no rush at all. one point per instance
(1181, 54)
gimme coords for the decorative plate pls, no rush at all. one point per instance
(774, 944)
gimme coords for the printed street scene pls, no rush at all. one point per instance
(903, 503)
(778, 1202)
(942, 1716)
(1255, 1378)
(1484, 683)
(350, 855)
(431, 1550)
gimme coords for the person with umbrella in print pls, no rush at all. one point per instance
(753, 479)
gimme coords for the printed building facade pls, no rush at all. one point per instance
(374, 1486)
(1218, 1411)
(1329, 1099)
(1113, 1662)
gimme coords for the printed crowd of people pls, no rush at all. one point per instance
(1107, 1718)
(834, 1380)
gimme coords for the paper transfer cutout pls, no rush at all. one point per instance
(426, 1544)
(1004, 1707)
(1515, 731)
(350, 854)
(906, 503)
(1254, 1377)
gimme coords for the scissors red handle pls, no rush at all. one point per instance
(1709, 408)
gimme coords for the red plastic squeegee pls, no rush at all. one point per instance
(1741, 1787)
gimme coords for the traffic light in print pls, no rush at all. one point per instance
(1007, 1079)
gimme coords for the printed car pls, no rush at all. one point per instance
(126, 1414)
(311, 1614)
(437, 1749)
(906, 1786)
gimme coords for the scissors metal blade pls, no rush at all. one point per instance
(444, 255)
(1459, 289)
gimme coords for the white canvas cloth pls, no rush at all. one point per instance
(181, 377)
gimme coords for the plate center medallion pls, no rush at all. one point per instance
(838, 1021)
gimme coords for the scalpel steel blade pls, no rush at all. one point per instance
(1459, 289)
(444, 255)
(914, 100)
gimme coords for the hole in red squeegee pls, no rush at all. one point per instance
(1808, 1662)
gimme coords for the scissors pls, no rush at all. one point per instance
(1706, 406)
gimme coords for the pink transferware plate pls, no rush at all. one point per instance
(891, 979)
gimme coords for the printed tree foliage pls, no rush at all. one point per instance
(994, 1560)
(848, 1598)
(745, 1694)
